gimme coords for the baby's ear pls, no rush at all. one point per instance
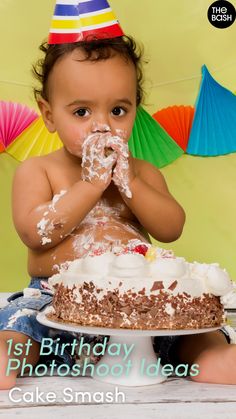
(47, 116)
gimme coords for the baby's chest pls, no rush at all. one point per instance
(110, 203)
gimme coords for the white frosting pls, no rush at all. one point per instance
(168, 268)
(216, 279)
(229, 299)
(97, 265)
(31, 293)
(129, 266)
(134, 272)
(169, 309)
(19, 313)
(55, 200)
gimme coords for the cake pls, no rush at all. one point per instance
(146, 288)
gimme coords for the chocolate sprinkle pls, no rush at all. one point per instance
(135, 310)
(157, 285)
(173, 285)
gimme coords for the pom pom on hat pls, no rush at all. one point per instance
(82, 20)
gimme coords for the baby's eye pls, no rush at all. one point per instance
(118, 111)
(81, 112)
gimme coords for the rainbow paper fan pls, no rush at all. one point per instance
(177, 122)
(151, 143)
(34, 141)
(147, 142)
(213, 131)
(14, 119)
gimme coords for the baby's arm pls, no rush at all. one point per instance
(41, 223)
(153, 205)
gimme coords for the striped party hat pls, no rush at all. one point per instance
(81, 20)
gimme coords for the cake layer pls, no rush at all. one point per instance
(136, 310)
(130, 290)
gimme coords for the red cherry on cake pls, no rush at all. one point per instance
(141, 249)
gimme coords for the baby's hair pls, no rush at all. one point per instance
(95, 50)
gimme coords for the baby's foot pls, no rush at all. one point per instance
(6, 382)
(217, 365)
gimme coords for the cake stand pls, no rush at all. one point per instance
(141, 367)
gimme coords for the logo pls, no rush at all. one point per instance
(221, 14)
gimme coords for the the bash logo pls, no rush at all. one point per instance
(221, 14)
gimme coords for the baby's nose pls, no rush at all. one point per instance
(100, 127)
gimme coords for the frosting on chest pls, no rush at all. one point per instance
(103, 211)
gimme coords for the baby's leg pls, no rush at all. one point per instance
(214, 355)
(7, 382)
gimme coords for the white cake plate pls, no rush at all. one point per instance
(143, 349)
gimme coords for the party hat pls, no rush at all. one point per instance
(83, 20)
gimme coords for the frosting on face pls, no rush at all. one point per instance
(134, 272)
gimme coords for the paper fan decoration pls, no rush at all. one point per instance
(177, 122)
(14, 118)
(34, 141)
(151, 143)
(147, 142)
(213, 131)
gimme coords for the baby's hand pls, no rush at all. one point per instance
(123, 173)
(96, 166)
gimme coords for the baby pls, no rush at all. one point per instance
(92, 195)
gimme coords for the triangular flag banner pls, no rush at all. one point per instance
(213, 131)
(83, 20)
(177, 122)
(151, 143)
(34, 141)
(148, 141)
(14, 119)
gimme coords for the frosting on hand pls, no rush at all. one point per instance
(96, 166)
(121, 171)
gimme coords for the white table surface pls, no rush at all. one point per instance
(178, 398)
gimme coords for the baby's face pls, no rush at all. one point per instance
(90, 96)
